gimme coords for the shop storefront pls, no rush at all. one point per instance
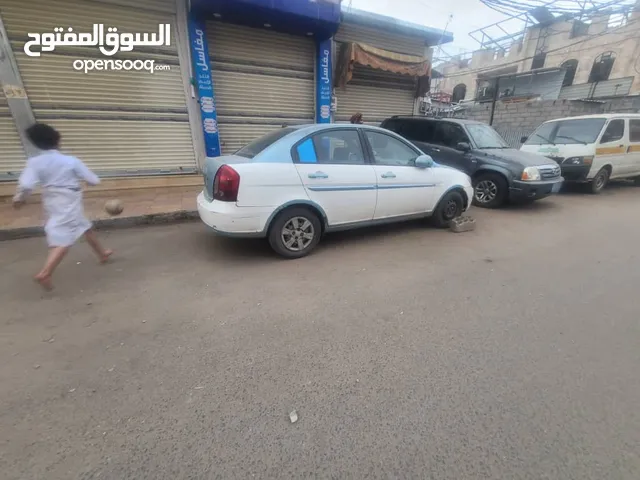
(388, 67)
(121, 122)
(268, 65)
(224, 72)
(12, 155)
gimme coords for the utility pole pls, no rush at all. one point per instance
(494, 101)
(439, 46)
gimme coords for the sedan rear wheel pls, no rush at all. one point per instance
(295, 232)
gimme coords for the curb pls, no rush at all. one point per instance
(110, 224)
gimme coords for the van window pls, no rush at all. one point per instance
(634, 130)
(614, 131)
(583, 130)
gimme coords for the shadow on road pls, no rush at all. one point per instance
(578, 189)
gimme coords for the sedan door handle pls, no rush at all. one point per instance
(388, 175)
(318, 175)
(435, 149)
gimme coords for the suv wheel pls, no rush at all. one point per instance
(489, 190)
(295, 232)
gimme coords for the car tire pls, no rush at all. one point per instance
(494, 190)
(305, 232)
(449, 207)
(599, 181)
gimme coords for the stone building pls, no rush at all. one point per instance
(600, 55)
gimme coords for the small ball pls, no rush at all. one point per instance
(114, 207)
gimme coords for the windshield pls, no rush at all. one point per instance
(581, 131)
(252, 149)
(485, 137)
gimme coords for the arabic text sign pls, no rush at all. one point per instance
(323, 82)
(108, 40)
(204, 84)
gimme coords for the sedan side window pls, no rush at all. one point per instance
(337, 147)
(391, 151)
(614, 131)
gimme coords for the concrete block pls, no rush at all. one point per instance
(462, 224)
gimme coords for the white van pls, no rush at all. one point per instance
(591, 149)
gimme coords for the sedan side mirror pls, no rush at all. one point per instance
(424, 161)
(523, 139)
(463, 146)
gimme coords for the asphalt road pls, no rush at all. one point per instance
(510, 352)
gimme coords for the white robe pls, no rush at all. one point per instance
(60, 177)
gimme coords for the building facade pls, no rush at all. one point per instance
(600, 55)
(204, 77)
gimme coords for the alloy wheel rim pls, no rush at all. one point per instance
(486, 191)
(600, 181)
(297, 234)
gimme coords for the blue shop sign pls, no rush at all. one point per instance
(323, 82)
(204, 84)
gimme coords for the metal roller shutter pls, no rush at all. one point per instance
(262, 79)
(376, 94)
(118, 122)
(12, 156)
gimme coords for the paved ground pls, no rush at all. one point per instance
(510, 352)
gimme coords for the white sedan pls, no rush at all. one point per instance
(295, 184)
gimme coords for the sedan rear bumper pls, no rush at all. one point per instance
(226, 218)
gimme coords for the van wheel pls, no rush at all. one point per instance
(599, 181)
(489, 190)
(295, 233)
(450, 207)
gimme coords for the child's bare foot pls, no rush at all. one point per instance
(44, 281)
(105, 256)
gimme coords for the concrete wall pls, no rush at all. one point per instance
(514, 120)
(558, 42)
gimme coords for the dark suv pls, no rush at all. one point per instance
(498, 172)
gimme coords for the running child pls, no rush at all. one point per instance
(60, 178)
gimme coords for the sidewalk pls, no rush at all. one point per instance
(141, 206)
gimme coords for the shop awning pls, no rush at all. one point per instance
(353, 53)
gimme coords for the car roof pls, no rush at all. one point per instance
(309, 128)
(460, 121)
(606, 116)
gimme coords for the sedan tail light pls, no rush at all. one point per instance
(226, 184)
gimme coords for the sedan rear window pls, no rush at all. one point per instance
(252, 149)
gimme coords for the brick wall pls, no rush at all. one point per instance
(514, 120)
